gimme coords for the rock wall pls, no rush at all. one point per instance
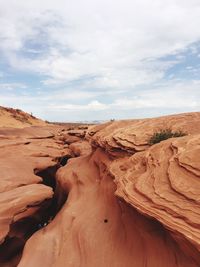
(119, 203)
(96, 228)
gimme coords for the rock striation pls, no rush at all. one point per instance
(163, 183)
(130, 136)
(29, 159)
(96, 228)
(101, 196)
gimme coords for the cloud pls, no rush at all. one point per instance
(12, 86)
(98, 55)
(94, 105)
(97, 38)
(170, 96)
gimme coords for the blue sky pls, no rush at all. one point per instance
(97, 60)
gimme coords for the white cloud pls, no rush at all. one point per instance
(11, 86)
(99, 48)
(97, 38)
(94, 105)
(172, 97)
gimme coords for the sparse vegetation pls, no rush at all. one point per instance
(165, 134)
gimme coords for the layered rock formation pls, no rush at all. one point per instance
(163, 182)
(94, 228)
(29, 159)
(118, 202)
(130, 136)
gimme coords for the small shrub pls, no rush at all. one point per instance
(165, 134)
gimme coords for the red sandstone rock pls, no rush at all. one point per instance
(24, 153)
(81, 148)
(69, 139)
(95, 228)
(17, 202)
(130, 136)
(10, 117)
(126, 204)
(164, 183)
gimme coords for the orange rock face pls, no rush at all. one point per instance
(123, 203)
(95, 228)
(29, 158)
(10, 117)
(80, 148)
(163, 182)
(133, 135)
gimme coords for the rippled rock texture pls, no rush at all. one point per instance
(163, 182)
(119, 203)
(129, 136)
(29, 159)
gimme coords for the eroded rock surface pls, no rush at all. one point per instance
(95, 228)
(122, 203)
(29, 159)
(163, 182)
(130, 136)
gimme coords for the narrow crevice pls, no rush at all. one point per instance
(22, 230)
(48, 176)
(41, 138)
(62, 161)
(11, 251)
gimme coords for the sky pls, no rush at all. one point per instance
(75, 60)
